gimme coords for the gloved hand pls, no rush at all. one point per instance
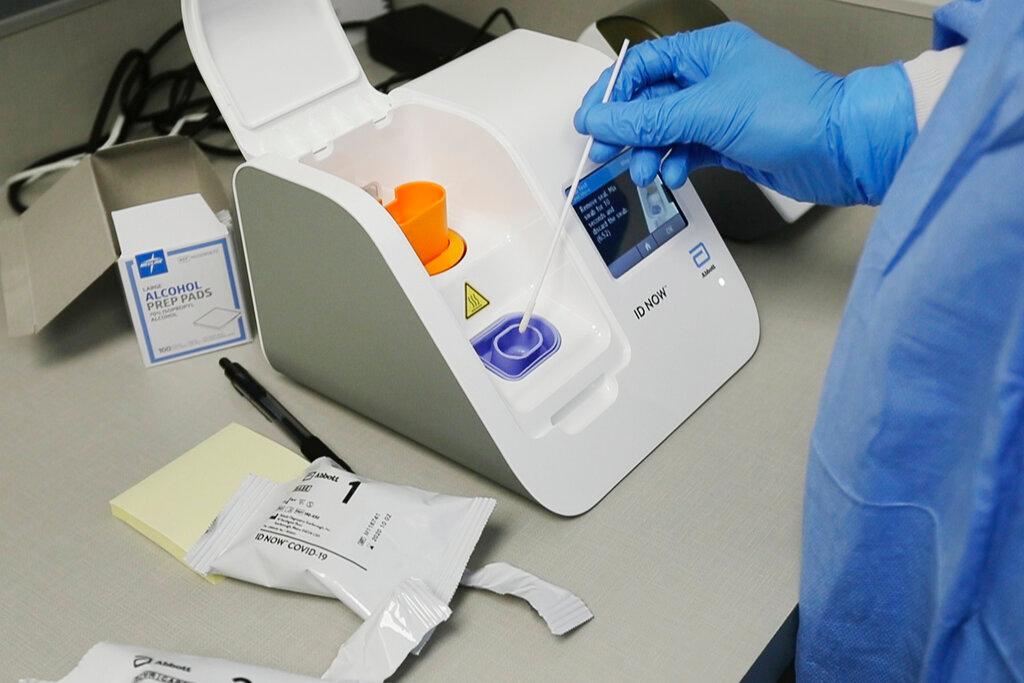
(726, 96)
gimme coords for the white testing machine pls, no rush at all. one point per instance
(643, 316)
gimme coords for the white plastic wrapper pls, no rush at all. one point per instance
(332, 533)
(560, 609)
(374, 652)
(112, 663)
(381, 644)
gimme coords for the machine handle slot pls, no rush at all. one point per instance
(586, 406)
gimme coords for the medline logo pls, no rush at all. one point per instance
(152, 263)
(142, 660)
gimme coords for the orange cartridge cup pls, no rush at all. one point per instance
(421, 211)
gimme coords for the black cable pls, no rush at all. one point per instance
(387, 84)
(132, 90)
(482, 31)
(126, 65)
(14, 189)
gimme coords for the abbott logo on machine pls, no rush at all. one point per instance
(152, 263)
(700, 255)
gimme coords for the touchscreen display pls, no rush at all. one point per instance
(625, 222)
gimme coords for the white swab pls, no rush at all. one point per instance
(572, 194)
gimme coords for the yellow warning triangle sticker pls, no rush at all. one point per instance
(475, 301)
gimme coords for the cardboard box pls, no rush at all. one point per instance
(178, 268)
(66, 240)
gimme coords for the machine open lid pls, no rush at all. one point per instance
(283, 74)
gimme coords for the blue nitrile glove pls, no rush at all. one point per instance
(726, 96)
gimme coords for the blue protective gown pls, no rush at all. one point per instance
(913, 551)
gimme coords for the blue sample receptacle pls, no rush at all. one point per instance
(512, 354)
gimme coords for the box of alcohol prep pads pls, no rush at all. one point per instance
(180, 277)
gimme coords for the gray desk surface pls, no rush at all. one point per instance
(690, 565)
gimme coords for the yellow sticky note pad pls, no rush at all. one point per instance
(175, 505)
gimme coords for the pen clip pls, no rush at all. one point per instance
(256, 404)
